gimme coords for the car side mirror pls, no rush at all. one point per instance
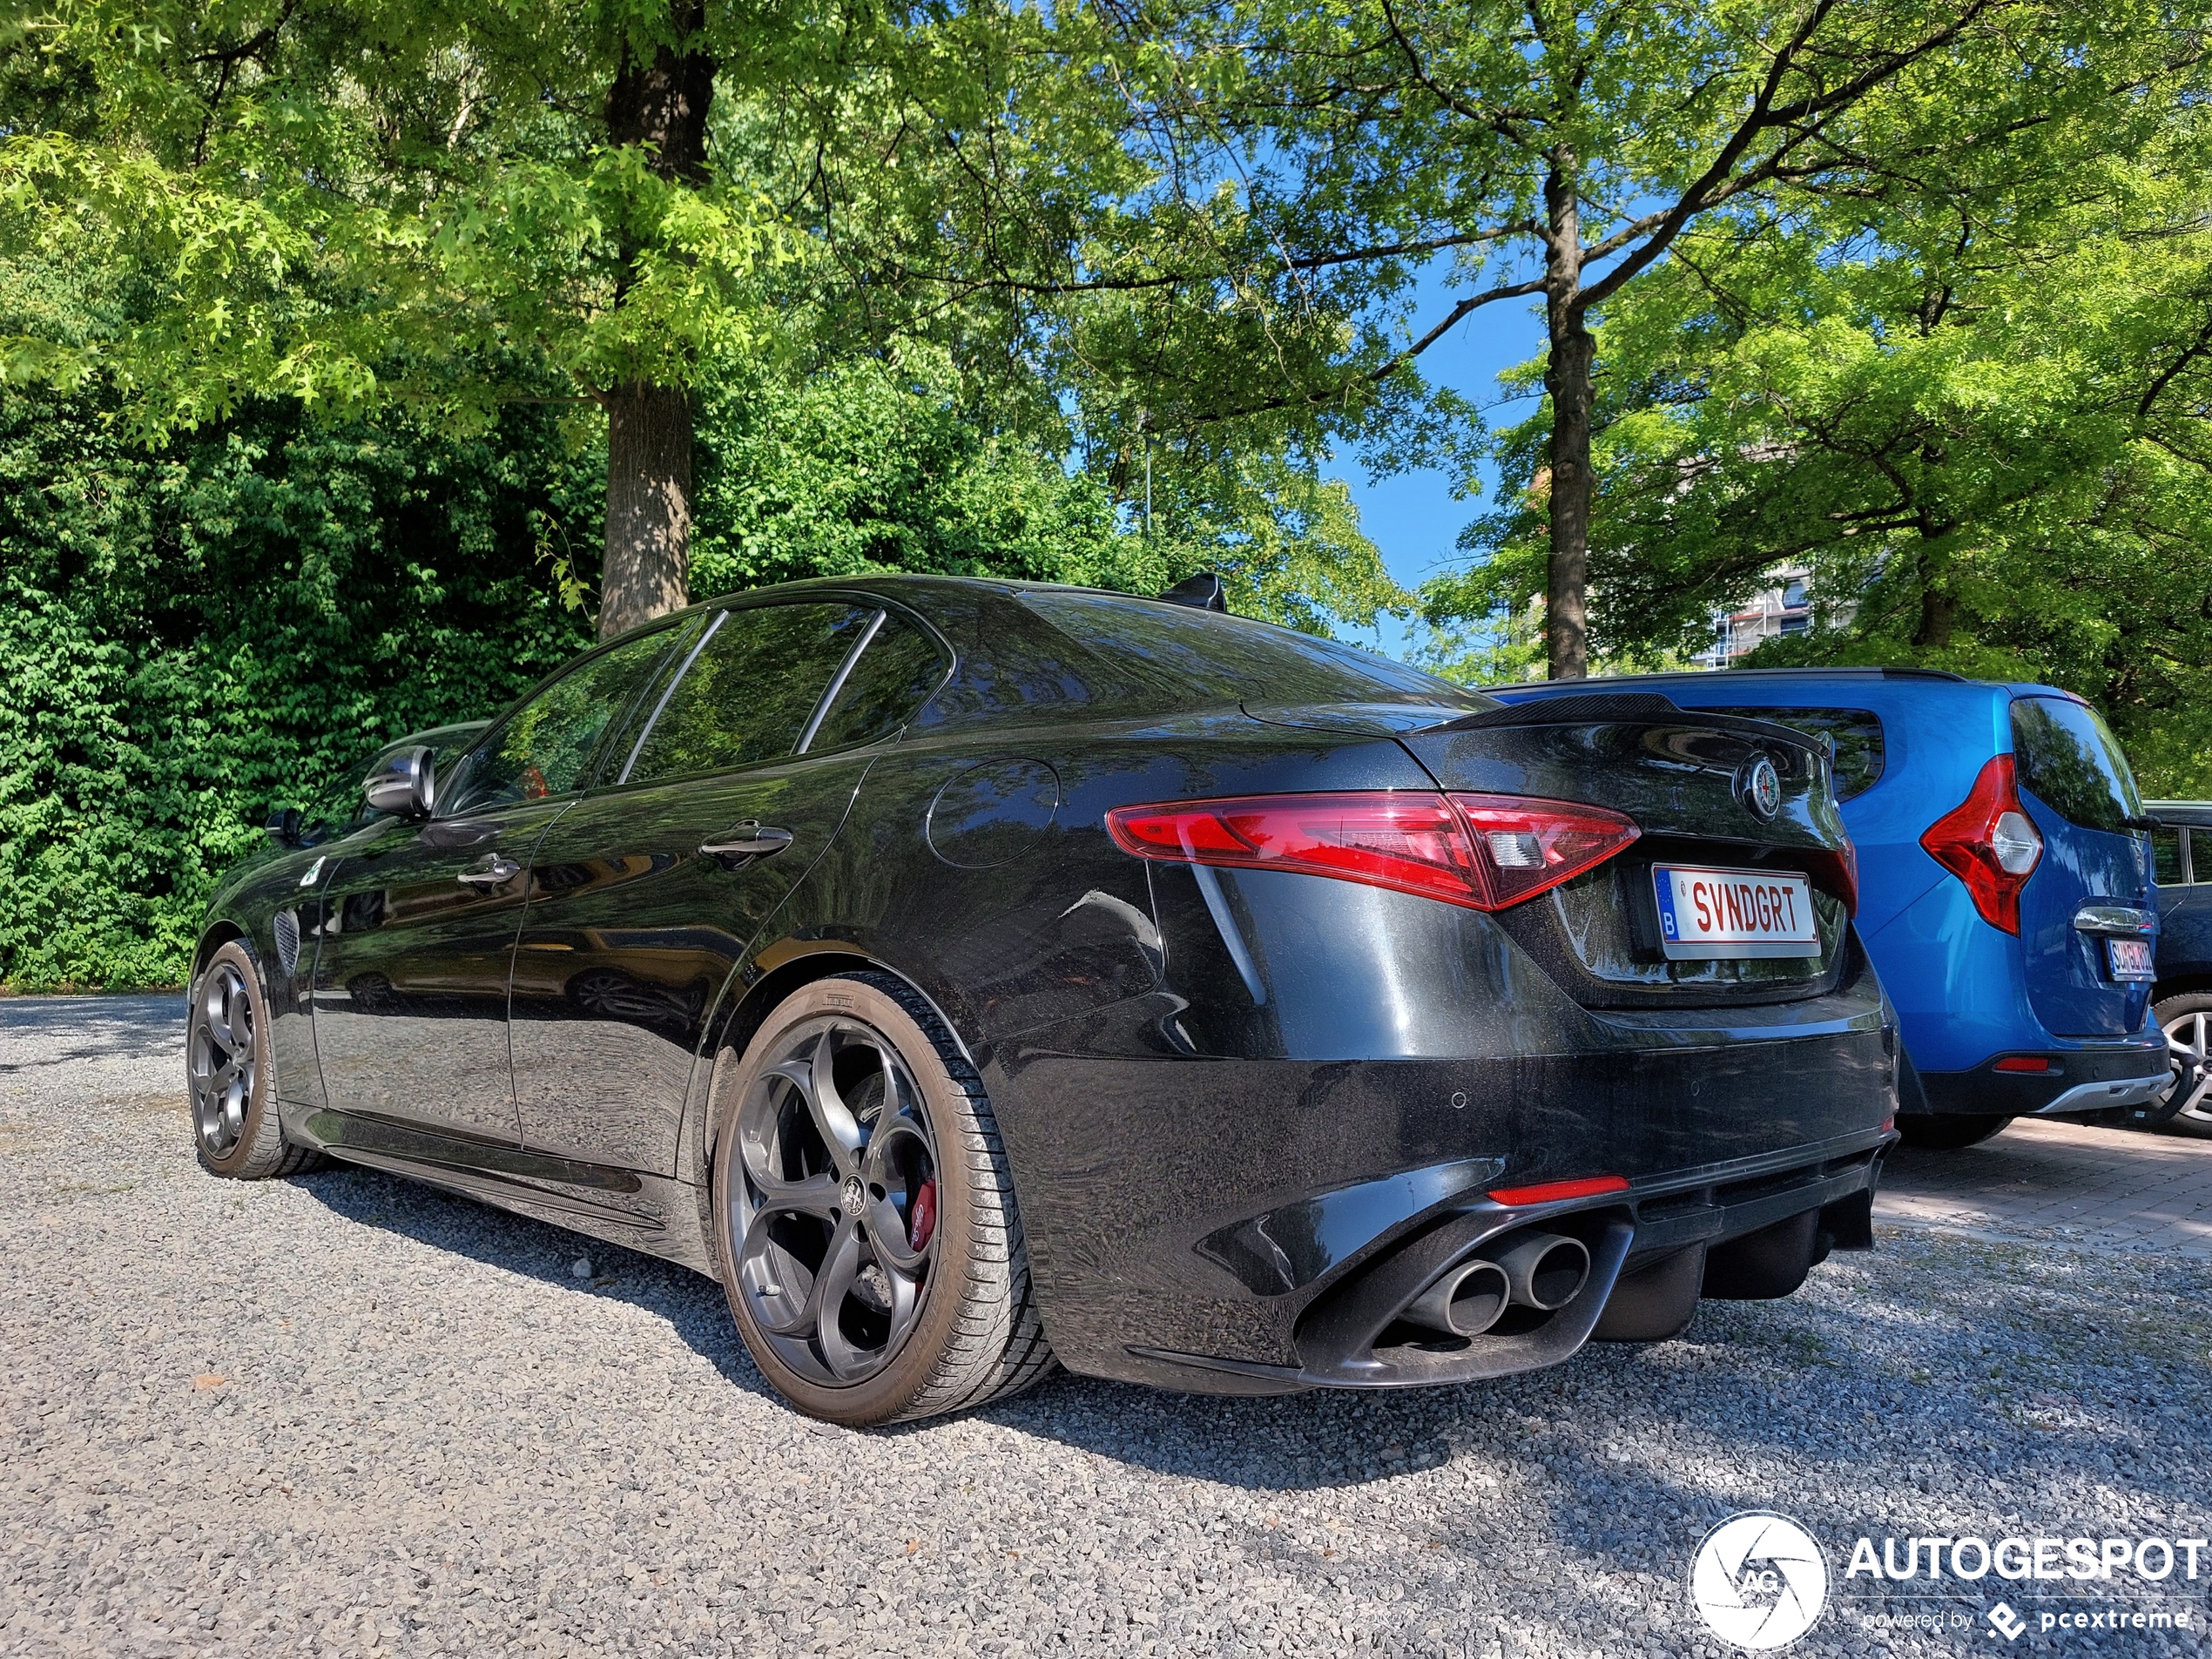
(284, 827)
(403, 786)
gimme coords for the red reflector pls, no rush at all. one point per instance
(1989, 842)
(1552, 1191)
(2022, 1063)
(1889, 1122)
(1484, 852)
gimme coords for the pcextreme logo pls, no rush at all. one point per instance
(1759, 1581)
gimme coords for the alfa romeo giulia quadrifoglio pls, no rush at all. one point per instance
(973, 975)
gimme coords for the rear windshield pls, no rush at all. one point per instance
(1188, 654)
(2069, 761)
(1852, 738)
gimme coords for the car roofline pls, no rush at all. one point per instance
(1715, 676)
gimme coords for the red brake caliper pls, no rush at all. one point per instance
(923, 1220)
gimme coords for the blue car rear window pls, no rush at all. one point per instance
(2069, 761)
(1852, 737)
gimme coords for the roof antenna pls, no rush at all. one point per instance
(1204, 591)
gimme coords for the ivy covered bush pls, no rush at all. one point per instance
(192, 636)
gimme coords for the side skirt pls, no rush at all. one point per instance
(651, 1213)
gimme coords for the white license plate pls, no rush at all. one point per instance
(1706, 913)
(2130, 959)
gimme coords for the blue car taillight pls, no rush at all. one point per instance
(1989, 842)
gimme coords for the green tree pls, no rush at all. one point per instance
(630, 205)
(1975, 413)
(1326, 164)
(450, 207)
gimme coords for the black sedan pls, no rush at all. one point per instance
(972, 975)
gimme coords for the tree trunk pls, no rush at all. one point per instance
(649, 505)
(662, 102)
(1937, 611)
(1567, 378)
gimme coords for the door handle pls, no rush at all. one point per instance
(491, 871)
(750, 839)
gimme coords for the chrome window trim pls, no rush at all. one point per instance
(837, 681)
(667, 691)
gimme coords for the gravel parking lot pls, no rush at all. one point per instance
(343, 1413)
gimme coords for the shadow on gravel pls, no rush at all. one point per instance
(96, 1027)
(692, 1305)
(1877, 1372)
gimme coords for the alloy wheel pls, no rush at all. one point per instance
(2186, 1052)
(837, 1209)
(224, 1058)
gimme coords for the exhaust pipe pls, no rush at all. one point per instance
(1545, 1271)
(1464, 1303)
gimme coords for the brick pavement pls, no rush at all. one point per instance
(2117, 1187)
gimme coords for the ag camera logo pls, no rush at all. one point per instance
(1760, 1581)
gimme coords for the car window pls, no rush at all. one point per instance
(548, 746)
(751, 685)
(2167, 863)
(652, 695)
(340, 805)
(1853, 738)
(899, 668)
(2196, 871)
(1189, 655)
(2069, 761)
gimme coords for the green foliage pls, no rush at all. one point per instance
(192, 634)
(1971, 400)
(197, 632)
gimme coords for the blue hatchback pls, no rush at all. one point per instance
(2006, 895)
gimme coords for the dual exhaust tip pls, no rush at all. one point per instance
(1540, 1271)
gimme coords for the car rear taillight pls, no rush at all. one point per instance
(1483, 850)
(1989, 842)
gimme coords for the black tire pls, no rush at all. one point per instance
(231, 1076)
(1947, 1131)
(2187, 1021)
(941, 1317)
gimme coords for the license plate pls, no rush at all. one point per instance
(2129, 958)
(1706, 913)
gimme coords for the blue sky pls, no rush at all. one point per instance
(1412, 515)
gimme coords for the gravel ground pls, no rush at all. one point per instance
(345, 1413)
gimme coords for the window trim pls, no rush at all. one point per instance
(669, 690)
(837, 681)
(881, 609)
(496, 726)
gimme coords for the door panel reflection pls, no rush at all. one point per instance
(411, 971)
(630, 935)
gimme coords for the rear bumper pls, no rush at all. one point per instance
(1201, 1167)
(1349, 1339)
(2078, 1080)
(1188, 1218)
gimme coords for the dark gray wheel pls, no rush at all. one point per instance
(864, 1216)
(228, 1069)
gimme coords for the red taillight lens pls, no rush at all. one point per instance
(1842, 866)
(1528, 846)
(2032, 1062)
(1989, 842)
(1483, 850)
